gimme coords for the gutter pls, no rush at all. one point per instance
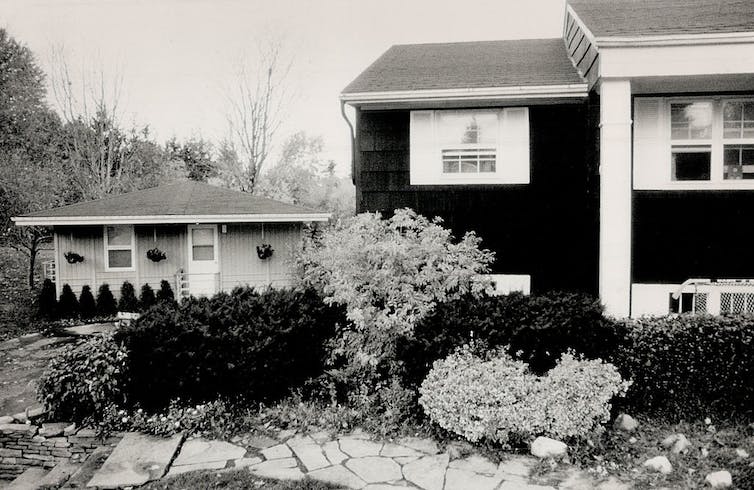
(575, 90)
(353, 140)
(167, 219)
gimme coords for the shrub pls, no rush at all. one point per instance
(105, 301)
(388, 274)
(497, 398)
(83, 379)
(146, 298)
(68, 305)
(166, 292)
(87, 306)
(540, 327)
(47, 304)
(127, 300)
(259, 345)
(689, 365)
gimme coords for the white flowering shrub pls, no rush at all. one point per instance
(496, 397)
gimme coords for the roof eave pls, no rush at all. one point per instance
(574, 90)
(168, 219)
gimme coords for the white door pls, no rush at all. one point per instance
(204, 263)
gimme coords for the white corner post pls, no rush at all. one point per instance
(615, 197)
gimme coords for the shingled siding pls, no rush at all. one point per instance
(692, 234)
(548, 228)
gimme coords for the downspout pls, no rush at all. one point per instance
(353, 141)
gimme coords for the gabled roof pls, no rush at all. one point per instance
(634, 18)
(183, 202)
(515, 64)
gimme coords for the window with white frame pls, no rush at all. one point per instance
(704, 142)
(119, 247)
(484, 146)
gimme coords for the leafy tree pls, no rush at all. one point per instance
(47, 304)
(105, 301)
(87, 306)
(389, 274)
(166, 292)
(68, 305)
(302, 176)
(195, 155)
(127, 300)
(146, 298)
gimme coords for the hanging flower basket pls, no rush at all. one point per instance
(264, 251)
(156, 255)
(73, 257)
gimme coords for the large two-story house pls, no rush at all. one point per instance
(618, 159)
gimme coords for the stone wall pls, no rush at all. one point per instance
(26, 445)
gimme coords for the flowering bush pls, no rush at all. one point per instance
(389, 273)
(203, 419)
(84, 378)
(496, 397)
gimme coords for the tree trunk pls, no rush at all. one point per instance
(32, 262)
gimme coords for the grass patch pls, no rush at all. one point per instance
(234, 479)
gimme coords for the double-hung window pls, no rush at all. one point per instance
(693, 143)
(473, 146)
(119, 248)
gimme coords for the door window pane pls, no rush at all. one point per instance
(119, 258)
(119, 235)
(691, 120)
(203, 243)
(691, 163)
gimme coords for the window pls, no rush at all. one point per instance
(202, 244)
(698, 142)
(484, 146)
(119, 247)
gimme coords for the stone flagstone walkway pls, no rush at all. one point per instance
(353, 461)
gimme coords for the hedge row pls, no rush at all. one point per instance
(85, 306)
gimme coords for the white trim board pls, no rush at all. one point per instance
(167, 219)
(579, 90)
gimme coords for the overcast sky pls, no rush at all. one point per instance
(176, 56)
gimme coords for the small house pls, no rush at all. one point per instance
(201, 238)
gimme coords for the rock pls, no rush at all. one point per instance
(632, 440)
(375, 469)
(476, 464)
(626, 423)
(427, 472)
(244, 462)
(677, 443)
(659, 464)
(359, 448)
(185, 468)
(337, 475)
(310, 455)
(277, 452)
(200, 451)
(544, 447)
(261, 442)
(34, 412)
(396, 450)
(53, 429)
(456, 479)
(719, 479)
(333, 452)
(137, 459)
(59, 474)
(70, 430)
(28, 479)
(427, 446)
(742, 453)
(281, 469)
(6, 419)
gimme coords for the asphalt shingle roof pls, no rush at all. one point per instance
(180, 199)
(626, 18)
(482, 64)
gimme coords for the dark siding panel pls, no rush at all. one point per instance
(547, 229)
(680, 235)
